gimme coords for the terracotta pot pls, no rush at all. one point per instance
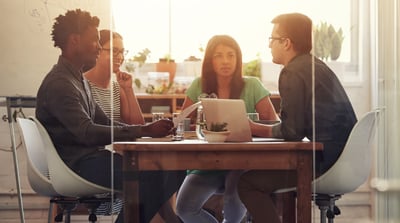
(167, 66)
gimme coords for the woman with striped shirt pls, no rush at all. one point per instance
(124, 107)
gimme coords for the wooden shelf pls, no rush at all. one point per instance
(175, 101)
(147, 101)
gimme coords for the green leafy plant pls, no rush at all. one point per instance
(253, 67)
(217, 127)
(140, 58)
(167, 58)
(327, 41)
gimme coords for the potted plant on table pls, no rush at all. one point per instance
(216, 132)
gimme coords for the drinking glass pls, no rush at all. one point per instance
(253, 116)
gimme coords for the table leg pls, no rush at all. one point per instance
(131, 187)
(15, 159)
(304, 173)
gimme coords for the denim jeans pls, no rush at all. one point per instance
(197, 189)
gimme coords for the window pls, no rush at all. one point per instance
(181, 27)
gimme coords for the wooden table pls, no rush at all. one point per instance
(196, 154)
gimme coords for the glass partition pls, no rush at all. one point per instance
(386, 87)
(180, 30)
(367, 68)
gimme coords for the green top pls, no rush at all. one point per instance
(252, 93)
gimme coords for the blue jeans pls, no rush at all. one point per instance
(197, 189)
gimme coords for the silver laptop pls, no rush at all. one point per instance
(231, 111)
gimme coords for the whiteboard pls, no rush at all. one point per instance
(27, 52)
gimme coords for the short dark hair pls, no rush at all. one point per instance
(105, 35)
(73, 22)
(298, 28)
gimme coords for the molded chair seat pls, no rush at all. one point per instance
(350, 171)
(49, 176)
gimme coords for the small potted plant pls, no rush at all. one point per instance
(216, 132)
(167, 64)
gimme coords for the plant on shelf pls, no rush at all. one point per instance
(327, 41)
(193, 58)
(167, 58)
(167, 64)
(137, 61)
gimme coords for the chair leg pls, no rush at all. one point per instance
(327, 207)
(323, 210)
(65, 205)
(51, 213)
(92, 204)
(68, 216)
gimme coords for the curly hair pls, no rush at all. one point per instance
(73, 22)
(209, 77)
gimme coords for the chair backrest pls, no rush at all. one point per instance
(37, 168)
(64, 180)
(354, 164)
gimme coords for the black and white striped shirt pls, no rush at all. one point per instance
(102, 96)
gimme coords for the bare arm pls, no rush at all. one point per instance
(266, 109)
(260, 130)
(130, 108)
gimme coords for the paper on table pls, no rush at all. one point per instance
(185, 113)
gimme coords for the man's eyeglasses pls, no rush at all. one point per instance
(116, 51)
(271, 39)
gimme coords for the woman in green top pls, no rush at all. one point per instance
(221, 75)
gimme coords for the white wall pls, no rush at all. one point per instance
(25, 41)
(27, 54)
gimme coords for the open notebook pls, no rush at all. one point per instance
(231, 111)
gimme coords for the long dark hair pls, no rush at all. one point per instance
(208, 75)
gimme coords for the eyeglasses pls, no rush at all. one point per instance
(271, 39)
(116, 51)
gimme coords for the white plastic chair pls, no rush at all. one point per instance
(61, 181)
(350, 171)
(64, 180)
(37, 169)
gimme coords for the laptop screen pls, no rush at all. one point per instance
(231, 111)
